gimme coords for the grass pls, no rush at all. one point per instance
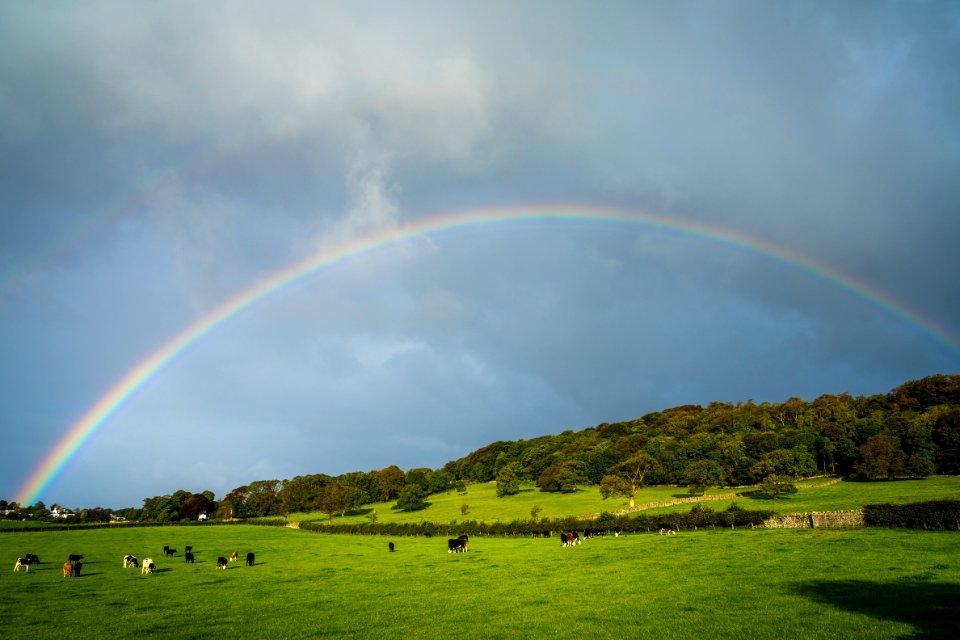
(866, 583)
(484, 505)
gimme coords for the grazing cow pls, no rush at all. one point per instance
(390, 546)
(616, 532)
(67, 569)
(188, 557)
(76, 569)
(458, 545)
(32, 558)
(222, 563)
(234, 556)
(147, 566)
(167, 551)
(668, 531)
(130, 561)
(188, 549)
(23, 562)
(569, 538)
(250, 559)
(75, 557)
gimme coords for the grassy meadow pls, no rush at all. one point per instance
(718, 583)
(867, 583)
(483, 504)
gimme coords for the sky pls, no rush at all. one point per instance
(762, 195)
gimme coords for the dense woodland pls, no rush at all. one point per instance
(913, 431)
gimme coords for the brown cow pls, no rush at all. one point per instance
(67, 569)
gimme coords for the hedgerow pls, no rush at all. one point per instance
(933, 514)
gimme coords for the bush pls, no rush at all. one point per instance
(934, 514)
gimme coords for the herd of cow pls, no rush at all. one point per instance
(73, 565)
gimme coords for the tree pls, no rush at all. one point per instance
(391, 481)
(627, 477)
(412, 498)
(333, 499)
(702, 475)
(881, 458)
(774, 485)
(508, 480)
(563, 475)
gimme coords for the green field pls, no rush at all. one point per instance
(866, 583)
(743, 583)
(484, 505)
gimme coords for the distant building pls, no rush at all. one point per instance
(202, 516)
(56, 511)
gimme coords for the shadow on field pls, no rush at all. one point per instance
(928, 606)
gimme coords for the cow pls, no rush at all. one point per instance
(76, 569)
(167, 551)
(188, 557)
(569, 538)
(130, 561)
(147, 566)
(74, 557)
(457, 545)
(390, 546)
(67, 569)
(32, 558)
(250, 559)
(668, 531)
(222, 563)
(23, 562)
(616, 532)
(234, 556)
(188, 548)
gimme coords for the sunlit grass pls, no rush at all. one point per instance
(864, 583)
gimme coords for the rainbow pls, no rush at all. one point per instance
(52, 465)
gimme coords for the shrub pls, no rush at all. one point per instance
(933, 514)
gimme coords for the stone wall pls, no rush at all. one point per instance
(816, 519)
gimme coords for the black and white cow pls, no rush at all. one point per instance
(569, 538)
(130, 561)
(458, 545)
(23, 562)
(250, 558)
(222, 563)
(188, 557)
(147, 566)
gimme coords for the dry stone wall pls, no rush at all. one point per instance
(816, 520)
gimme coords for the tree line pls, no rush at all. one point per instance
(911, 432)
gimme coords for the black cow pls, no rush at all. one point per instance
(222, 563)
(32, 558)
(74, 557)
(188, 557)
(167, 551)
(188, 549)
(250, 559)
(76, 569)
(457, 545)
(390, 545)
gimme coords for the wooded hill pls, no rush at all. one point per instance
(913, 431)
